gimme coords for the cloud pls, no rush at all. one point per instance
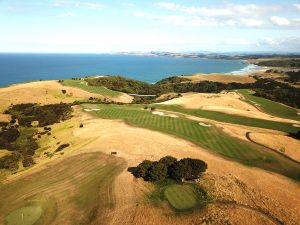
(297, 6)
(228, 10)
(250, 22)
(77, 4)
(198, 21)
(233, 15)
(180, 20)
(280, 21)
(280, 44)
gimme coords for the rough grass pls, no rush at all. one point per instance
(76, 190)
(235, 119)
(271, 107)
(81, 84)
(210, 138)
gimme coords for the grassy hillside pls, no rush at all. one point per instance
(235, 119)
(271, 107)
(83, 190)
(210, 138)
(93, 89)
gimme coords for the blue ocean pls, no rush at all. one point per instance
(17, 68)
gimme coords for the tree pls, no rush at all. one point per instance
(158, 171)
(187, 169)
(168, 161)
(142, 168)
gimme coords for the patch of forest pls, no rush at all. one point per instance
(20, 135)
(267, 88)
(295, 63)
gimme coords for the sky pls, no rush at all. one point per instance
(98, 26)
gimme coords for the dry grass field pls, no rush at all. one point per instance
(221, 78)
(47, 92)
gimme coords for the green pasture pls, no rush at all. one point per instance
(271, 107)
(235, 119)
(81, 84)
(75, 190)
(211, 138)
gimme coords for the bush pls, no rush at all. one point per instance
(28, 161)
(61, 147)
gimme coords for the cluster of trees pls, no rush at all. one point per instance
(293, 76)
(280, 63)
(44, 114)
(277, 91)
(170, 167)
(172, 84)
(19, 137)
(267, 88)
(20, 142)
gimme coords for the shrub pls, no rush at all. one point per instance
(28, 161)
(61, 147)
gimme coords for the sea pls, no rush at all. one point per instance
(21, 67)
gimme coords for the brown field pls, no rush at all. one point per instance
(221, 78)
(47, 92)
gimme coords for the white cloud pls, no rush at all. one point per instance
(78, 4)
(250, 22)
(297, 6)
(280, 44)
(228, 10)
(198, 21)
(280, 21)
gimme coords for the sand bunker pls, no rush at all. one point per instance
(90, 110)
(163, 114)
(205, 124)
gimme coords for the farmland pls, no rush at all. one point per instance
(81, 84)
(43, 197)
(210, 138)
(271, 107)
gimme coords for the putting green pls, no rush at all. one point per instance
(182, 197)
(27, 215)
